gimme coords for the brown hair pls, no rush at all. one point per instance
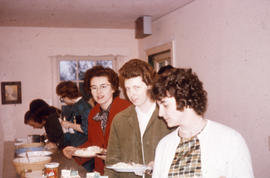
(68, 89)
(100, 71)
(185, 86)
(136, 68)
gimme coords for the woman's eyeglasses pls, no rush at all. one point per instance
(61, 99)
(102, 87)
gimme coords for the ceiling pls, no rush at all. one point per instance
(83, 13)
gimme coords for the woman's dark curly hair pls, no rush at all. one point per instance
(100, 71)
(184, 86)
(39, 110)
(68, 89)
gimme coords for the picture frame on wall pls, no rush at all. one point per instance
(11, 92)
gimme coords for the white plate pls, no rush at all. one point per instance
(35, 153)
(84, 155)
(130, 168)
(88, 152)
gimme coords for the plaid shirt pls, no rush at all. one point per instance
(187, 159)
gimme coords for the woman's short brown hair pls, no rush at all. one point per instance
(184, 86)
(68, 89)
(100, 71)
(136, 68)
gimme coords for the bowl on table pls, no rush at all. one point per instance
(35, 153)
(26, 164)
(21, 148)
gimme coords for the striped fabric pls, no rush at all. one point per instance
(187, 159)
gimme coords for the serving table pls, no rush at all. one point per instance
(9, 170)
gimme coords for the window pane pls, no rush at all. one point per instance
(105, 63)
(84, 66)
(67, 70)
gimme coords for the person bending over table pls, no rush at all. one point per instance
(40, 115)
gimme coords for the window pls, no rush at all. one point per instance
(74, 70)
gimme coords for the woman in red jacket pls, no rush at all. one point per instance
(103, 83)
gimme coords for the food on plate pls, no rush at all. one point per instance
(127, 165)
(88, 152)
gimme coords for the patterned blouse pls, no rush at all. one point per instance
(187, 159)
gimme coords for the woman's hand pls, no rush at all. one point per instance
(69, 151)
(66, 124)
(147, 171)
(102, 154)
(50, 146)
(150, 170)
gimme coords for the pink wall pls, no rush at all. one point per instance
(227, 44)
(25, 56)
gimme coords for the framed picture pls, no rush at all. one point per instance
(11, 92)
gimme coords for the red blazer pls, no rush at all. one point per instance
(95, 134)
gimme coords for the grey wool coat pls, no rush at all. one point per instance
(125, 143)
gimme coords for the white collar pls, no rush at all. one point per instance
(144, 118)
(149, 112)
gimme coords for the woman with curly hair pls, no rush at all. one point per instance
(198, 147)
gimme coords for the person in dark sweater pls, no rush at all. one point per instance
(76, 120)
(40, 115)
